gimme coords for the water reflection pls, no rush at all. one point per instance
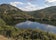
(36, 25)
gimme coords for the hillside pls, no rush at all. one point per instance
(47, 15)
(12, 15)
(23, 34)
(47, 12)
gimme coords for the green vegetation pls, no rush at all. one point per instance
(10, 15)
(47, 15)
(25, 34)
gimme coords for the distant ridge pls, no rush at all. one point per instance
(47, 15)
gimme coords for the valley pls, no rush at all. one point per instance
(34, 25)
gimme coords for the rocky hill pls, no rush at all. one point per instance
(12, 15)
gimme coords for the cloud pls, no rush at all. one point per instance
(15, 3)
(51, 0)
(27, 6)
(31, 7)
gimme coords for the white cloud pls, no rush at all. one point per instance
(51, 0)
(27, 6)
(15, 3)
(30, 7)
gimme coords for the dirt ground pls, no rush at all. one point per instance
(3, 38)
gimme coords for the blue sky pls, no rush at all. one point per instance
(30, 5)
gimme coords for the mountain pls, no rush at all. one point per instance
(49, 12)
(47, 15)
(12, 15)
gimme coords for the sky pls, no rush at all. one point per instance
(30, 5)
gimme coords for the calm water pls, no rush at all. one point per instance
(36, 25)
